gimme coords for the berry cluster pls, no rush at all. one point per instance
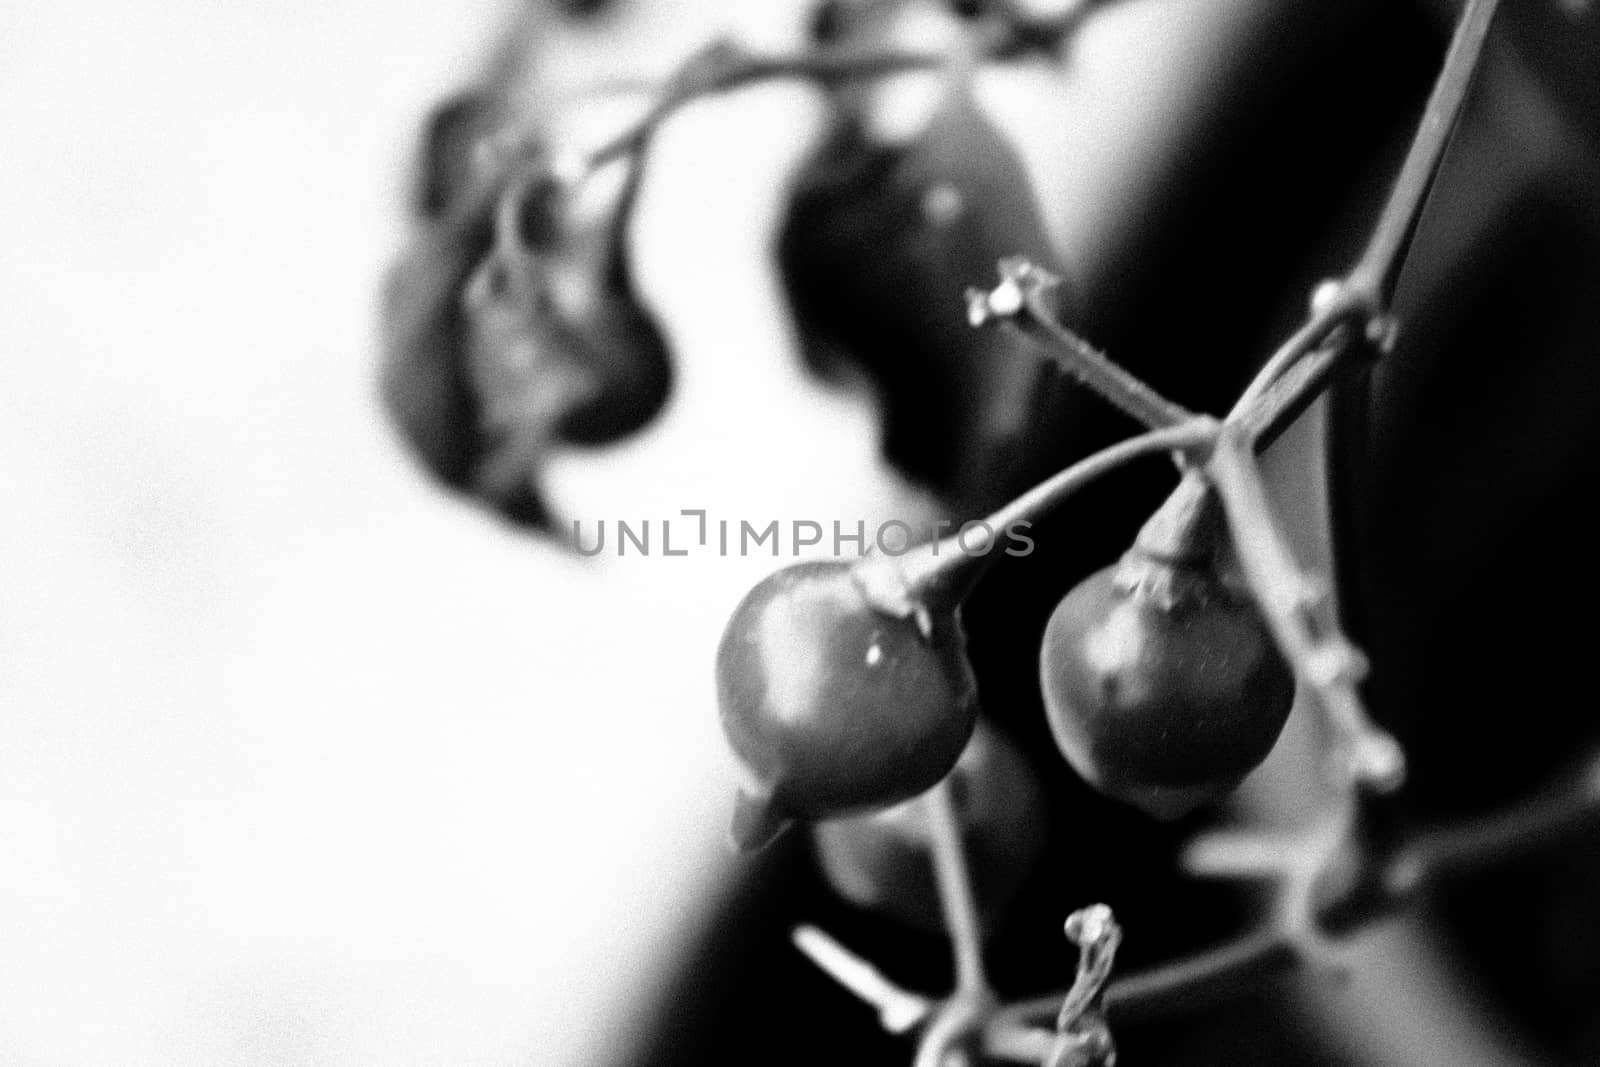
(845, 689)
(1167, 677)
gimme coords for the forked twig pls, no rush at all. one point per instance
(1331, 875)
(1343, 312)
(1324, 660)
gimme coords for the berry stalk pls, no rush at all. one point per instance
(937, 576)
(955, 891)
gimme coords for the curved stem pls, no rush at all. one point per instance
(938, 575)
(1568, 807)
(1196, 435)
(724, 67)
(955, 890)
(1204, 978)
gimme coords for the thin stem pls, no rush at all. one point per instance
(1342, 307)
(898, 1010)
(940, 574)
(1025, 299)
(1378, 270)
(1194, 436)
(1370, 285)
(723, 67)
(1287, 397)
(1570, 806)
(1205, 977)
(1324, 661)
(955, 890)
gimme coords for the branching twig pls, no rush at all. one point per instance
(1572, 804)
(1380, 880)
(1328, 876)
(1369, 287)
(724, 66)
(1327, 664)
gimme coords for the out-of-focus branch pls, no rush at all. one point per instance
(956, 895)
(1371, 880)
(723, 66)
(899, 1011)
(1331, 876)
(1569, 806)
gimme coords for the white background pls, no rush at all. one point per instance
(302, 762)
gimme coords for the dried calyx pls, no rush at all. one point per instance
(1174, 560)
